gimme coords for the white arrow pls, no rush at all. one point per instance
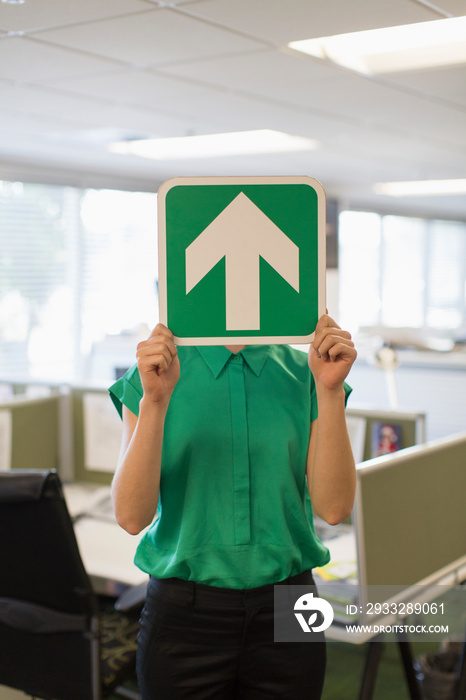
(241, 234)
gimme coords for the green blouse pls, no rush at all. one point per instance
(234, 508)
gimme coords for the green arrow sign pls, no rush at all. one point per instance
(241, 260)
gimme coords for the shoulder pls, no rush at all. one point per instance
(127, 391)
(284, 358)
(188, 353)
(289, 357)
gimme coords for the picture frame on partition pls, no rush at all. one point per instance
(386, 438)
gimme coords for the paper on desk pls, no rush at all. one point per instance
(357, 434)
(6, 392)
(6, 429)
(108, 551)
(343, 561)
(102, 432)
(83, 499)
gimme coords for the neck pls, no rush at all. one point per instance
(235, 348)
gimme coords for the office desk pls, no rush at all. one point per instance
(338, 583)
(106, 549)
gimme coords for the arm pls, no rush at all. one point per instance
(135, 486)
(331, 470)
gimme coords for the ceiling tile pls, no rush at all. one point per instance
(457, 8)
(16, 122)
(445, 83)
(91, 113)
(270, 73)
(181, 3)
(208, 109)
(154, 38)
(322, 89)
(142, 88)
(42, 14)
(29, 60)
(279, 22)
(375, 104)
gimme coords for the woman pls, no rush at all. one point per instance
(225, 445)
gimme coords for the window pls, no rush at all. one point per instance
(77, 269)
(401, 272)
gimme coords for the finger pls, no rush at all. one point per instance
(328, 333)
(156, 344)
(159, 334)
(326, 321)
(154, 363)
(150, 350)
(331, 342)
(342, 352)
(154, 356)
(328, 337)
(161, 330)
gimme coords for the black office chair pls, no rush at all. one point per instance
(56, 642)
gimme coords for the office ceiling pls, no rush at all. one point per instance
(76, 75)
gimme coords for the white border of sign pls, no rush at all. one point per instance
(266, 180)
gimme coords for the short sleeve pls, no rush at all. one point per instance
(314, 409)
(348, 390)
(127, 391)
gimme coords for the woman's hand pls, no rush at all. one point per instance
(331, 473)
(158, 365)
(331, 354)
(136, 484)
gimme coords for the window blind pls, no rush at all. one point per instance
(398, 271)
(76, 266)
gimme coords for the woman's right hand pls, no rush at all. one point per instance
(158, 364)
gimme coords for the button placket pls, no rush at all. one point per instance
(241, 480)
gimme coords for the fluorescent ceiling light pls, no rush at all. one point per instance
(392, 49)
(421, 188)
(214, 145)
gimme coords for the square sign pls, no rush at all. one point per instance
(241, 259)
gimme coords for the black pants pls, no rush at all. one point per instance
(201, 642)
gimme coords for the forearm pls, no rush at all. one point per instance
(331, 471)
(135, 487)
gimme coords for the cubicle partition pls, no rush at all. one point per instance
(375, 431)
(97, 435)
(407, 539)
(74, 430)
(30, 435)
(107, 550)
(410, 515)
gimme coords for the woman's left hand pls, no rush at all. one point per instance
(331, 354)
